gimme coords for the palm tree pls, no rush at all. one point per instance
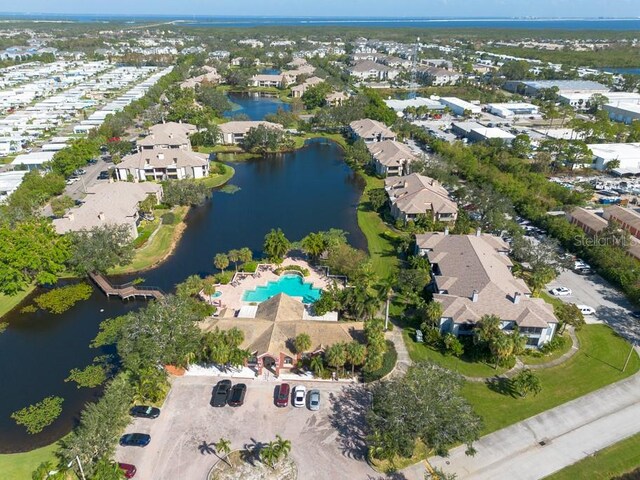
(501, 347)
(302, 343)
(223, 447)
(488, 328)
(314, 245)
(276, 245)
(269, 454)
(433, 312)
(283, 447)
(317, 365)
(245, 255)
(234, 256)
(386, 292)
(336, 355)
(221, 261)
(356, 355)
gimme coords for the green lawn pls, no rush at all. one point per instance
(379, 236)
(9, 302)
(531, 360)
(618, 459)
(157, 248)
(19, 466)
(598, 363)
(216, 180)
(420, 351)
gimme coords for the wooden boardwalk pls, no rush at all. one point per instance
(126, 291)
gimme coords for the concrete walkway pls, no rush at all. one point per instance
(550, 441)
(404, 361)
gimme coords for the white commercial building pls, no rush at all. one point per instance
(625, 112)
(511, 110)
(33, 160)
(628, 154)
(400, 105)
(459, 107)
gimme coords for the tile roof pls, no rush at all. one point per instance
(162, 158)
(391, 153)
(415, 193)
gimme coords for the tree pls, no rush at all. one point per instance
(263, 139)
(412, 282)
(356, 355)
(245, 255)
(302, 343)
(336, 355)
(525, 382)
(184, 192)
(283, 447)
(412, 407)
(31, 251)
(452, 345)
(487, 329)
(221, 261)
(100, 249)
(343, 259)
(276, 245)
(100, 426)
(433, 314)
(40, 415)
(568, 314)
(60, 205)
(314, 245)
(146, 206)
(223, 448)
(377, 198)
(190, 287)
(269, 454)
(314, 96)
(105, 469)
(376, 345)
(501, 348)
(317, 365)
(223, 347)
(234, 256)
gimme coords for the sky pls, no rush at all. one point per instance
(348, 8)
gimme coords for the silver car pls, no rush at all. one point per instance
(314, 400)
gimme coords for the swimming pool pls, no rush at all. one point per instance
(291, 284)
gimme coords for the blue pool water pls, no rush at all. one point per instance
(291, 284)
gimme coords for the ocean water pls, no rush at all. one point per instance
(627, 24)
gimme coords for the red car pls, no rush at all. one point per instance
(128, 469)
(282, 398)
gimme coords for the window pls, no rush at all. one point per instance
(532, 341)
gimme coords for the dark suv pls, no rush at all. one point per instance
(221, 393)
(236, 397)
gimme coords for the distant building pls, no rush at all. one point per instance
(625, 112)
(475, 132)
(336, 98)
(299, 90)
(109, 204)
(211, 76)
(369, 70)
(460, 107)
(273, 81)
(436, 76)
(9, 183)
(163, 164)
(511, 110)
(232, 133)
(533, 88)
(33, 160)
(627, 154)
(371, 131)
(401, 105)
(414, 195)
(472, 278)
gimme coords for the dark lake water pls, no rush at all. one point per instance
(308, 190)
(255, 106)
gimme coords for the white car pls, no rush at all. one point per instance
(299, 394)
(586, 309)
(561, 292)
(71, 180)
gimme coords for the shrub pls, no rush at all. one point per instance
(40, 415)
(141, 239)
(223, 278)
(169, 218)
(292, 268)
(558, 342)
(432, 338)
(61, 299)
(452, 345)
(250, 267)
(388, 363)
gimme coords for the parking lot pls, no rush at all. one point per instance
(611, 305)
(326, 444)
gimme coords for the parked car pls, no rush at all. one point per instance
(92, 161)
(71, 180)
(221, 393)
(236, 397)
(80, 171)
(128, 469)
(104, 175)
(586, 309)
(314, 400)
(299, 394)
(560, 292)
(135, 440)
(143, 411)
(282, 397)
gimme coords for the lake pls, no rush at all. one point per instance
(307, 190)
(255, 105)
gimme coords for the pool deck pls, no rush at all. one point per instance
(231, 294)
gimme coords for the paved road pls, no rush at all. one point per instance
(611, 306)
(570, 432)
(327, 444)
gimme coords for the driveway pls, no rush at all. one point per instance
(611, 305)
(327, 444)
(552, 440)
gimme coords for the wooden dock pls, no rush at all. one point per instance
(126, 291)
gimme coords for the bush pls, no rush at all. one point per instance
(250, 267)
(223, 278)
(292, 268)
(40, 415)
(432, 338)
(558, 342)
(61, 299)
(169, 218)
(388, 363)
(142, 238)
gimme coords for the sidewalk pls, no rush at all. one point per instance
(550, 441)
